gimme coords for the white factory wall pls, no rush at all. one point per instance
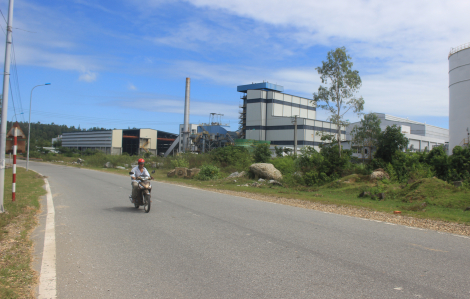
(151, 135)
(459, 98)
(421, 136)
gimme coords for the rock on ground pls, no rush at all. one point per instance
(236, 175)
(191, 173)
(379, 174)
(266, 171)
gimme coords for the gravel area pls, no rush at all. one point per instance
(448, 227)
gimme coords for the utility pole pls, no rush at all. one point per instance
(186, 129)
(6, 82)
(295, 135)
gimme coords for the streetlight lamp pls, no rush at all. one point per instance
(29, 123)
(14, 116)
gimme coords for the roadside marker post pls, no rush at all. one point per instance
(15, 147)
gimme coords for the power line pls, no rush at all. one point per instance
(15, 78)
(3, 17)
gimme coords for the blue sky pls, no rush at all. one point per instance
(123, 63)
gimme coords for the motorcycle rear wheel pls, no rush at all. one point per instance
(147, 202)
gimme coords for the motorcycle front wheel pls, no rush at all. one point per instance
(147, 203)
(136, 204)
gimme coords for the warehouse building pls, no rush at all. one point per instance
(116, 142)
(421, 136)
(269, 114)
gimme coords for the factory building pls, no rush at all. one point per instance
(116, 142)
(421, 136)
(269, 114)
(459, 96)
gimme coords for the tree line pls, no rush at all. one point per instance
(42, 134)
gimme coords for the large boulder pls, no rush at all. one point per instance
(266, 171)
(108, 165)
(191, 173)
(171, 173)
(379, 174)
(181, 172)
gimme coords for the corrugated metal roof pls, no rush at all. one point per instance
(264, 86)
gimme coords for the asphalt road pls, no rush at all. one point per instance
(199, 244)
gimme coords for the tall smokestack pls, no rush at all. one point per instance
(186, 116)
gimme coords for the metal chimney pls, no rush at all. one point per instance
(186, 116)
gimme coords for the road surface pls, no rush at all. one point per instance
(199, 244)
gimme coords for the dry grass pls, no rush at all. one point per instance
(17, 278)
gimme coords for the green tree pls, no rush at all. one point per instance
(262, 153)
(57, 143)
(389, 142)
(459, 163)
(339, 97)
(367, 133)
(439, 161)
(279, 151)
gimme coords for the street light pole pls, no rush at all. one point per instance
(29, 122)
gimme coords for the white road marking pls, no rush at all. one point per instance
(47, 280)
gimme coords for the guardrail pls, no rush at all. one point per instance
(459, 48)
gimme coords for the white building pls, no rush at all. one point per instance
(459, 96)
(269, 114)
(116, 142)
(421, 136)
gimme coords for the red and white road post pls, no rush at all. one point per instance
(15, 146)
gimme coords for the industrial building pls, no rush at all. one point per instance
(203, 137)
(459, 96)
(269, 114)
(421, 136)
(116, 142)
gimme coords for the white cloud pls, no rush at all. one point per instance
(171, 104)
(131, 86)
(88, 77)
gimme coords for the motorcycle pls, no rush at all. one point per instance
(145, 189)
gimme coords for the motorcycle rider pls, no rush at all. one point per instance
(138, 171)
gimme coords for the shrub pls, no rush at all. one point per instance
(323, 167)
(279, 151)
(314, 177)
(262, 153)
(459, 164)
(208, 172)
(286, 165)
(235, 156)
(179, 162)
(438, 160)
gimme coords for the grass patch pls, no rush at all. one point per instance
(17, 278)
